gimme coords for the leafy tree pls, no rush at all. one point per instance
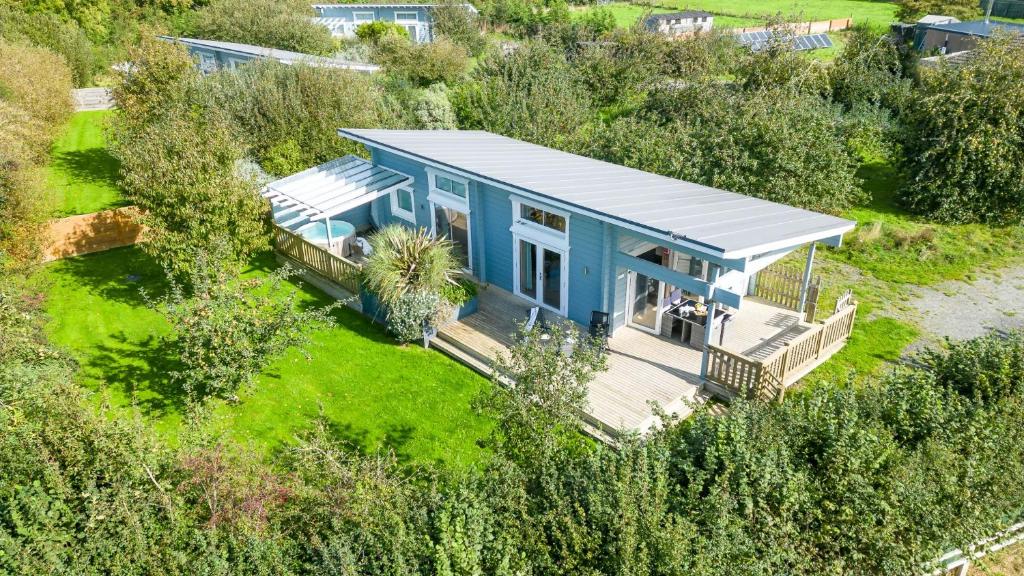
(911, 10)
(532, 94)
(284, 24)
(452, 21)
(540, 391)
(229, 329)
(772, 144)
(870, 70)
(776, 65)
(63, 37)
(440, 61)
(92, 15)
(963, 138)
(288, 116)
(619, 70)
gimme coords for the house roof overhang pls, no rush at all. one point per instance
(334, 187)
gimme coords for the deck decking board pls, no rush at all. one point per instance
(642, 367)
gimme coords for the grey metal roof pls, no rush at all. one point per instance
(725, 223)
(978, 27)
(283, 56)
(684, 14)
(332, 188)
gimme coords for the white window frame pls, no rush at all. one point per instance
(360, 18)
(535, 232)
(396, 208)
(437, 197)
(563, 285)
(400, 17)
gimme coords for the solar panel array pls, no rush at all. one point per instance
(756, 41)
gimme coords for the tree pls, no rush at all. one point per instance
(284, 24)
(227, 329)
(374, 31)
(453, 21)
(870, 70)
(63, 37)
(963, 137)
(433, 110)
(440, 61)
(540, 392)
(911, 10)
(531, 93)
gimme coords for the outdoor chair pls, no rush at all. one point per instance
(599, 327)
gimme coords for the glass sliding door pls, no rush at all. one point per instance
(454, 225)
(540, 274)
(644, 299)
(528, 269)
(552, 278)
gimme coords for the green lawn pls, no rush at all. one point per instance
(626, 15)
(81, 171)
(375, 394)
(862, 11)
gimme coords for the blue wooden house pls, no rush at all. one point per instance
(669, 269)
(213, 55)
(343, 19)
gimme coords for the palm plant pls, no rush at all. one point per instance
(405, 260)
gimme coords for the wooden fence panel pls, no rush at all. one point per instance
(341, 271)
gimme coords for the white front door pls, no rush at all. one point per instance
(541, 274)
(643, 301)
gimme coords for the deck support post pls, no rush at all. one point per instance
(807, 278)
(709, 324)
(330, 241)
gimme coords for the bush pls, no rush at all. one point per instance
(452, 21)
(433, 110)
(773, 144)
(284, 24)
(407, 315)
(64, 38)
(963, 138)
(531, 93)
(230, 329)
(374, 31)
(984, 370)
(405, 261)
(38, 82)
(459, 292)
(869, 70)
(439, 61)
(288, 116)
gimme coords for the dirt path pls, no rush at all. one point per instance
(961, 310)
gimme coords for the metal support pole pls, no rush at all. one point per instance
(709, 323)
(807, 278)
(330, 241)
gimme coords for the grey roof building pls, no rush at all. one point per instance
(216, 54)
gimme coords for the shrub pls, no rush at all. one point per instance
(531, 93)
(38, 82)
(452, 21)
(870, 70)
(405, 261)
(374, 31)
(407, 315)
(284, 24)
(288, 116)
(985, 369)
(963, 138)
(64, 38)
(439, 61)
(230, 329)
(433, 110)
(459, 292)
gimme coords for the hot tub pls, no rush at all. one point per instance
(316, 232)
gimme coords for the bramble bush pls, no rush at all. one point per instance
(283, 24)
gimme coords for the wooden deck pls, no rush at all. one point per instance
(642, 367)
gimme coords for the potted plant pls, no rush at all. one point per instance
(412, 280)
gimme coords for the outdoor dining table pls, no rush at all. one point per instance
(694, 323)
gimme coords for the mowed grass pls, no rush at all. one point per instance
(373, 393)
(862, 11)
(82, 172)
(627, 15)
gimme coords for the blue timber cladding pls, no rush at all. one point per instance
(492, 241)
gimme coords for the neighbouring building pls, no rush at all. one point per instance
(343, 19)
(213, 55)
(677, 274)
(953, 37)
(680, 23)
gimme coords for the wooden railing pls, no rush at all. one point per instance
(341, 271)
(782, 287)
(767, 379)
